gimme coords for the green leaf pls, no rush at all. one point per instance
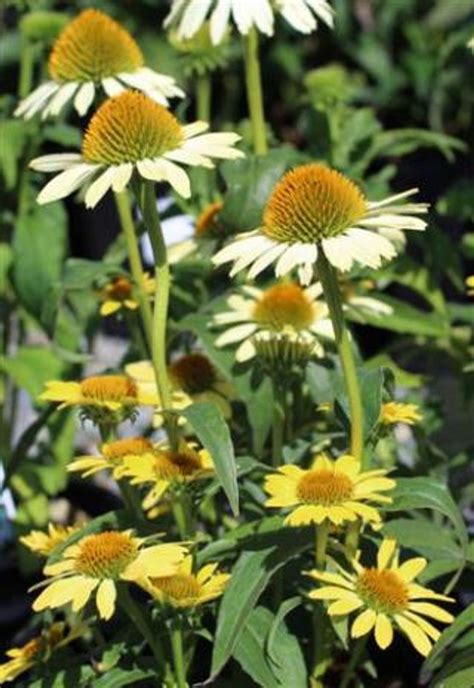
(32, 367)
(13, 134)
(39, 247)
(249, 184)
(428, 493)
(64, 134)
(250, 576)
(272, 644)
(425, 537)
(116, 678)
(461, 679)
(251, 654)
(403, 318)
(448, 638)
(212, 431)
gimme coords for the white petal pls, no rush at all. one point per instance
(160, 169)
(266, 259)
(55, 162)
(34, 102)
(193, 129)
(390, 199)
(219, 21)
(236, 334)
(245, 352)
(194, 17)
(99, 187)
(189, 158)
(112, 87)
(338, 252)
(122, 176)
(65, 183)
(84, 98)
(59, 100)
(241, 244)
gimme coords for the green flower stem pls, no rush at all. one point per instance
(278, 423)
(128, 228)
(176, 635)
(354, 660)
(144, 626)
(254, 92)
(203, 97)
(27, 61)
(319, 618)
(332, 295)
(182, 515)
(160, 313)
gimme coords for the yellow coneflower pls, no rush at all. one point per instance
(470, 285)
(281, 308)
(165, 469)
(334, 491)
(96, 563)
(112, 456)
(131, 134)
(119, 294)
(193, 378)
(384, 596)
(100, 396)
(38, 649)
(187, 589)
(94, 53)
(395, 412)
(188, 16)
(45, 543)
(314, 208)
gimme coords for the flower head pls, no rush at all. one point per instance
(165, 469)
(280, 309)
(97, 562)
(314, 208)
(385, 595)
(187, 589)
(101, 397)
(395, 412)
(38, 650)
(193, 378)
(92, 53)
(189, 15)
(119, 294)
(337, 491)
(45, 543)
(112, 456)
(130, 133)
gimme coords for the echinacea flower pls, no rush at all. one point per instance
(165, 469)
(396, 412)
(189, 15)
(95, 564)
(281, 308)
(45, 543)
(131, 134)
(119, 294)
(385, 596)
(193, 378)
(94, 53)
(187, 589)
(335, 491)
(38, 650)
(114, 396)
(112, 456)
(314, 208)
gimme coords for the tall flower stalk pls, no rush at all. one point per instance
(253, 81)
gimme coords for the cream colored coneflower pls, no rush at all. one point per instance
(99, 396)
(94, 53)
(193, 378)
(119, 294)
(95, 565)
(131, 134)
(314, 208)
(112, 456)
(335, 491)
(281, 308)
(189, 15)
(396, 412)
(166, 469)
(43, 543)
(38, 649)
(186, 589)
(385, 596)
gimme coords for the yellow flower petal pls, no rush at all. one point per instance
(69, 392)
(334, 578)
(58, 593)
(82, 591)
(105, 599)
(385, 553)
(344, 606)
(348, 465)
(383, 631)
(364, 623)
(109, 307)
(304, 515)
(158, 561)
(59, 567)
(411, 569)
(416, 636)
(332, 593)
(416, 591)
(425, 626)
(431, 610)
